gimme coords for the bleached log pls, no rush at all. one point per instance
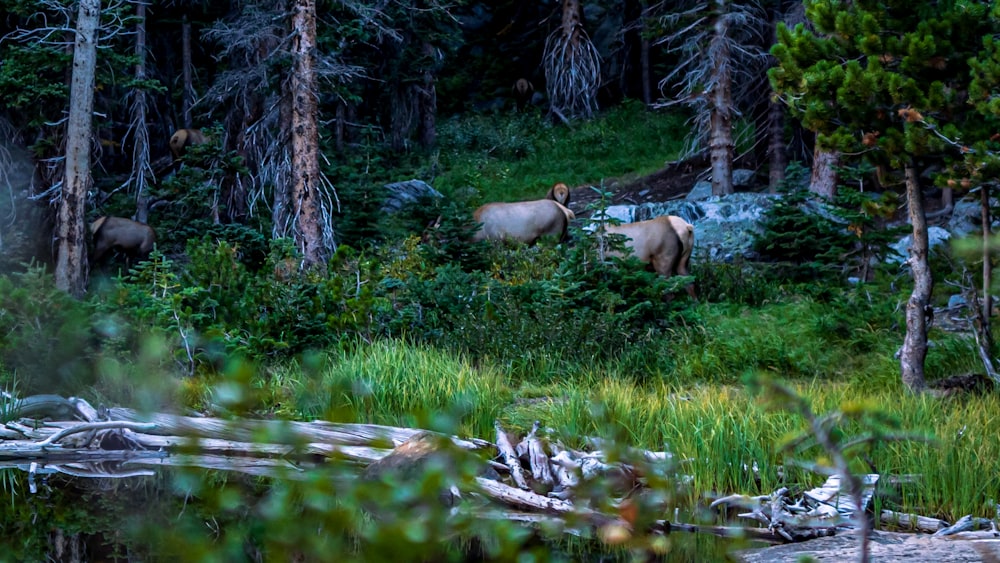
(510, 457)
(213, 446)
(835, 501)
(916, 522)
(528, 500)
(964, 524)
(95, 426)
(565, 469)
(539, 462)
(279, 431)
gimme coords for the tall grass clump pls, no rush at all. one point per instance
(722, 432)
(397, 383)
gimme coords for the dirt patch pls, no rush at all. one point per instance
(674, 181)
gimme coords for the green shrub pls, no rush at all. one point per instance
(47, 338)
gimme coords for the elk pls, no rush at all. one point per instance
(184, 138)
(524, 221)
(523, 90)
(132, 238)
(664, 242)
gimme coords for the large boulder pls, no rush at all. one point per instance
(401, 194)
(724, 226)
(936, 236)
(966, 218)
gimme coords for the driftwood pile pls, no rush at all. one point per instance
(531, 480)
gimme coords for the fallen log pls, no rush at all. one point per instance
(913, 522)
(281, 431)
(510, 457)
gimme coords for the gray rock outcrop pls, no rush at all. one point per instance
(401, 194)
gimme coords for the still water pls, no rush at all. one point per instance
(299, 512)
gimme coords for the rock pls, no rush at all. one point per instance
(966, 218)
(724, 226)
(701, 190)
(743, 178)
(405, 193)
(936, 236)
(885, 547)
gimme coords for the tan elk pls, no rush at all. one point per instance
(524, 221)
(131, 238)
(559, 192)
(664, 242)
(184, 138)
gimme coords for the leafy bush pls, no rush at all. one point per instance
(48, 341)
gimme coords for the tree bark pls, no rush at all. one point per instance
(306, 182)
(187, 96)
(823, 181)
(340, 128)
(720, 141)
(647, 85)
(140, 151)
(71, 257)
(918, 310)
(428, 100)
(986, 334)
(281, 220)
(777, 155)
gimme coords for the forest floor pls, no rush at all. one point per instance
(673, 181)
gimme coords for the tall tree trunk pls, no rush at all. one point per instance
(647, 85)
(985, 340)
(823, 181)
(777, 155)
(141, 166)
(720, 140)
(428, 100)
(187, 96)
(306, 188)
(281, 219)
(340, 128)
(572, 66)
(918, 309)
(71, 256)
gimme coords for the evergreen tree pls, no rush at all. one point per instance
(866, 81)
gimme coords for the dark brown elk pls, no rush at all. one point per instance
(560, 193)
(184, 138)
(523, 90)
(129, 237)
(664, 242)
(524, 221)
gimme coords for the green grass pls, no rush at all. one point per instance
(508, 159)
(720, 430)
(390, 382)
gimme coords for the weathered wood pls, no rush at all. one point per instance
(964, 524)
(96, 426)
(915, 522)
(278, 431)
(566, 470)
(539, 462)
(510, 457)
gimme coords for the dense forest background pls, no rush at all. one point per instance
(280, 286)
(386, 77)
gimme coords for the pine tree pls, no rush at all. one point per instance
(886, 81)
